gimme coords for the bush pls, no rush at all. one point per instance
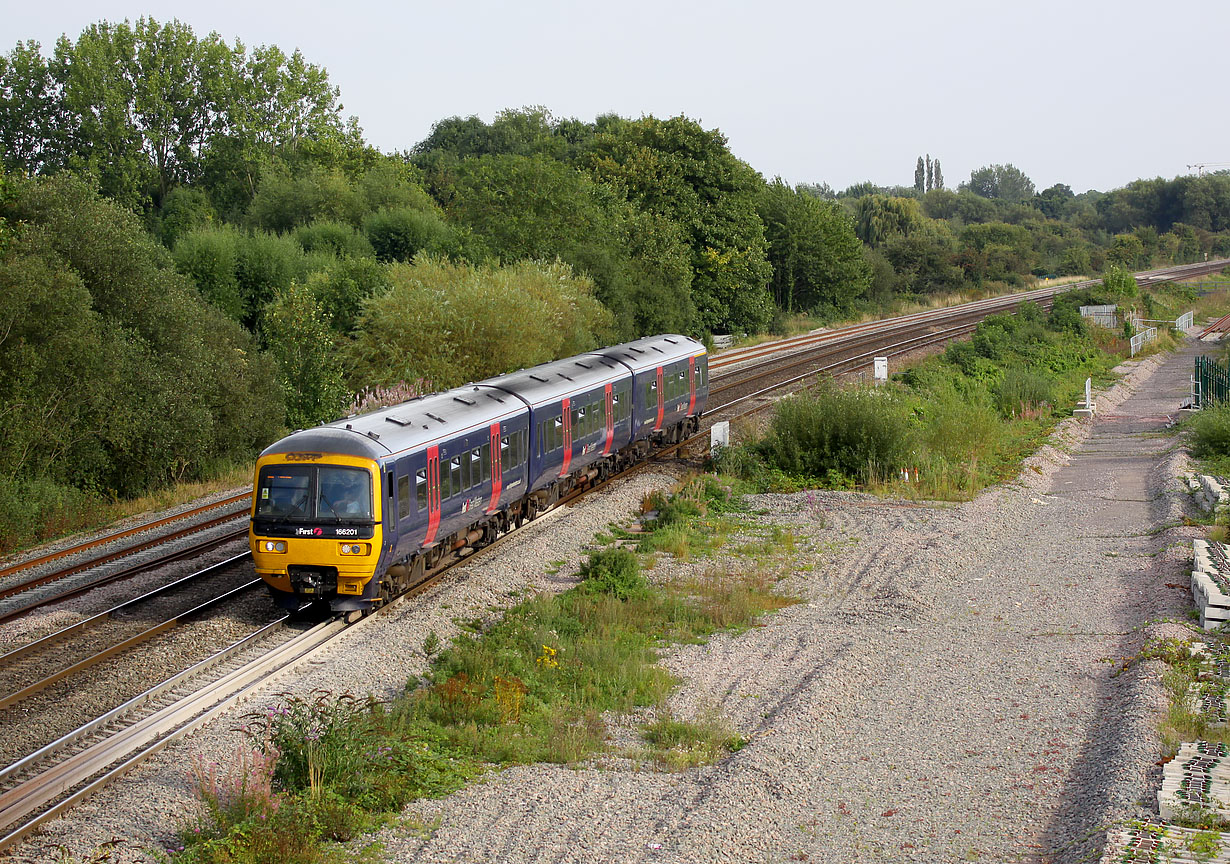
(35, 510)
(400, 234)
(861, 434)
(1023, 392)
(615, 572)
(333, 238)
(1210, 432)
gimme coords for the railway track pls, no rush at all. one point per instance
(53, 778)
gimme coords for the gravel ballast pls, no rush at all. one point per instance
(945, 691)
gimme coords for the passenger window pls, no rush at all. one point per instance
(403, 497)
(558, 436)
(454, 468)
(420, 486)
(477, 475)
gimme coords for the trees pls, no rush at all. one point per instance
(879, 217)
(136, 381)
(817, 259)
(147, 107)
(1001, 182)
(448, 323)
(922, 179)
(676, 169)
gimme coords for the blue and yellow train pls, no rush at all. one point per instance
(354, 512)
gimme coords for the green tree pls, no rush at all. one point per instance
(448, 322)
(300, 338)
(685, 173)
(921, 178)
(1001, 182)
(880, 217)
(938, 181)
(166, 385)
(817, 260)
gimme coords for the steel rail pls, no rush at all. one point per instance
(99, 617)
(55, 576)
(119, 535)
(120, 753)
(141, 699)
(740, 355)
(124, 573)
(119, 647)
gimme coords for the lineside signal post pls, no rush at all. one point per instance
(880, 365)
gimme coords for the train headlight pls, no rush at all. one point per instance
(353, 548)
(273, 545)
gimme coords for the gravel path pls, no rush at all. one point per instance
(943, 693)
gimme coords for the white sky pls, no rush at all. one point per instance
(1069, 91)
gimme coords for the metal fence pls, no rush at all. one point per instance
(1103, 316)
(1210, 382)
(1184, 321)
(1143, 338)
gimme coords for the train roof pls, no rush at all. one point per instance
(652, 351)
(414, 423)
(549, 382)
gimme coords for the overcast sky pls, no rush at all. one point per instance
(1069, 91)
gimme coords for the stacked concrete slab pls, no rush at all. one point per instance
(1211, 582)
(1196, 782)
(1161, 844)
(1210, 493)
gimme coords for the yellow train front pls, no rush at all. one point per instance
(316, 531)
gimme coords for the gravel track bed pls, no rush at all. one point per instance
(47, 619)
(83, 644)
(67, 704)
(943, 692)
(88, 554)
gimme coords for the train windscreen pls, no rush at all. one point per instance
(310, 493)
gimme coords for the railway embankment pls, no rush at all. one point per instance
(951, 687)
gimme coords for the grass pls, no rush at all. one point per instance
(534, 687)
(38, 511)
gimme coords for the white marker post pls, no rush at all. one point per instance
(719, 437)
(880, 365)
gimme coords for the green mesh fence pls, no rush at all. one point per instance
(1212, 382)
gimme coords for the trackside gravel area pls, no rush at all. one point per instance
(945, 691)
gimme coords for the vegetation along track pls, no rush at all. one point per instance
(51, 779)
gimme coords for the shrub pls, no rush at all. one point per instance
(334, 238)
(1210, 432)
(1023, 392)
(863, 434)
(401, 233)
(615, 572)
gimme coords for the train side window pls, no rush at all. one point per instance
(420, 488)
(403, 497)
(454, 469)
(476, 467)
(580, 424)
(523, 452)
(505, 453)
(485, 462)
(557, 434)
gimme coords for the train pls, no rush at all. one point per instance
(355, 512)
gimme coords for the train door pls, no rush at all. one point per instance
(610, 419)
(691, 386)
(497, 469)
(566, 413)
(661, 401)
(433, 494)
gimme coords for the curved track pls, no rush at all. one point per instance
(47, 782)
